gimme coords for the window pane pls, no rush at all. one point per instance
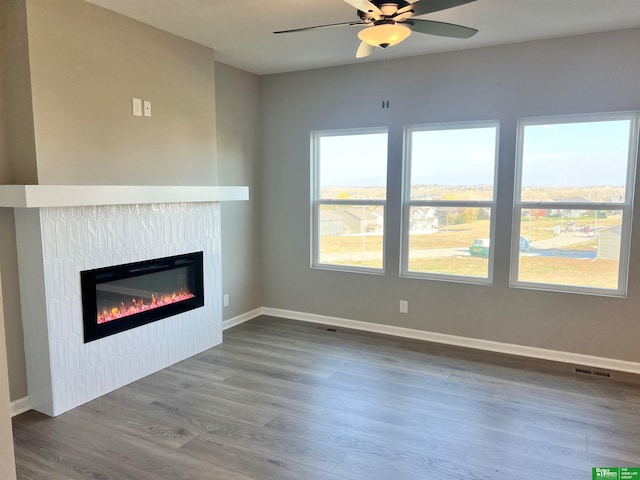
(353, 166)
(449, 241)
(351, 235)
(453, 164)
(570, 247)
(576, 162)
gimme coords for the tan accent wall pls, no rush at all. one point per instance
(581, 74)
(7, 471)
(4, 67)
(18, 159)
(237, 121)
(86, 65)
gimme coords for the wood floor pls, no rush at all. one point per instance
(289, 400)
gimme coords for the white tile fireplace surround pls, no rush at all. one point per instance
(62, 230)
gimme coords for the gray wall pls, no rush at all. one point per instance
(237, 121)
(86, 64)
(7, 472)
(591, 73)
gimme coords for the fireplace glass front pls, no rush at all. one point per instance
(118, 298)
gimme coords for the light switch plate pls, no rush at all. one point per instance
(136, 107)
(147, 108)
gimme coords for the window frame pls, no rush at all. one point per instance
(408, 203)
(625, 207)
(317, 202)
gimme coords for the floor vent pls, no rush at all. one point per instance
(332, 329)
(595, 373)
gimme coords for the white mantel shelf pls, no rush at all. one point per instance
(43, 196)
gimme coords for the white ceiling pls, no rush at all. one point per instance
(240, 31)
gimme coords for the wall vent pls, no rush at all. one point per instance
(595, 373)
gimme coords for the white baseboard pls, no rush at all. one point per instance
(478, 344)
(245, 317)
(20, 406)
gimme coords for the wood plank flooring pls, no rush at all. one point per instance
(288, 400)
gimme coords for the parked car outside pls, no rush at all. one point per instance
(525, 244)
(480, 247)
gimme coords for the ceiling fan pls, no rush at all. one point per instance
(389, 22)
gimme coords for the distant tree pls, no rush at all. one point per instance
(467, 215)
(483, 215)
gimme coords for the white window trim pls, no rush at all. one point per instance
(316, 202)
(626, 207)
(407, 203)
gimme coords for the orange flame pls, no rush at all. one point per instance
(139, 305)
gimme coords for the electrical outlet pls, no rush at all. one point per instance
(404, 306)
(147, 108)
(225, 300)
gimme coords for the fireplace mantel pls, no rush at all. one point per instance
(43, 196)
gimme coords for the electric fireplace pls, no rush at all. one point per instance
(118, 298)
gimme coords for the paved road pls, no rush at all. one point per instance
(563, 240)
(543, 248)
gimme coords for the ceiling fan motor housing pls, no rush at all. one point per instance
(386, 7)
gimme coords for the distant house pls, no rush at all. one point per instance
(447, 216)
(575, 213)
(360, 220)
(331, 224)
(379, 213)
(609, 242)
(423, 218)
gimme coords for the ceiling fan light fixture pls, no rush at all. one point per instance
(384, 35)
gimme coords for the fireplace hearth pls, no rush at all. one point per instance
(122, 297)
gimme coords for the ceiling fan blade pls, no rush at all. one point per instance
(402, 16)
(341, 24)
(423, 7)
(364, 6)
(364, 50)
(441, 29)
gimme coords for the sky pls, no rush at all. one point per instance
(556, 155)
(576, 154)
(353, 160)
(453, 157)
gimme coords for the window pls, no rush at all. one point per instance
(573, 200)
(349, 185)
(449, 201)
